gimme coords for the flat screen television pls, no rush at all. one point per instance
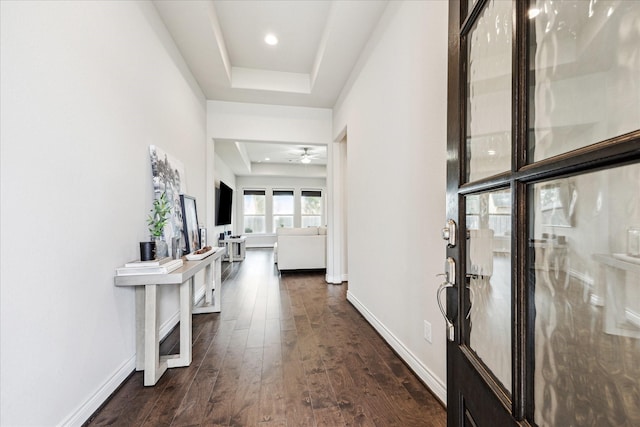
(224, 203)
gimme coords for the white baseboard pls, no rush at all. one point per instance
(582, 277)
(81, 414)
(86, 409)
(332, 279)
(437, 386)
(166, 328)
(336, 280)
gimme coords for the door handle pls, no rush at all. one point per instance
(449, 282)
(450, 328)
(450, 271)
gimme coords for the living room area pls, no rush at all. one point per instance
(277, 200)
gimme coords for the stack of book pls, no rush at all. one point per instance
(156, 266)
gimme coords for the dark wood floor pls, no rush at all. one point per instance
(285, 351)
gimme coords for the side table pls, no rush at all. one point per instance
(236, 247)
(147, 328)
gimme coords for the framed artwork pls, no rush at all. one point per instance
(168, 177)
(191, 233)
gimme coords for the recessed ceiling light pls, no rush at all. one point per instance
(266, 159)
(491, 152)
(271, 39)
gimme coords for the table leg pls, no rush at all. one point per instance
(186, 304)
(153, 367)
(212, 289)
(217, 289)
(140, 328)
(230, 252)
(208, 285)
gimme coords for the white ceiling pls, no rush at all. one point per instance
(299, 37)
(222, 42)
(272, 159)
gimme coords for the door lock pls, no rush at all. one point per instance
(449, 233)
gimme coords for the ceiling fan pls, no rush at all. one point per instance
(306, 156)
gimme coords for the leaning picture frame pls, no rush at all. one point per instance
(191, 233)
(557, 203)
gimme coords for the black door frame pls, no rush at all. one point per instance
(465, 376)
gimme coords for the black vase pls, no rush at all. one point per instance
(147, 251)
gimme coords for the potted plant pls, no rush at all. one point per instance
(157, 219)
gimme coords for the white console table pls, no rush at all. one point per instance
(147, 330)
(236, 247)
(618, 287)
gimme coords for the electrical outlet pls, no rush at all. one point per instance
(427, 331)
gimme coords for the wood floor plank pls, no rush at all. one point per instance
(354, 408)
(272, 398)
(181, 379)
(383, 374)
(219, 408)
(245, 405)
(272, 394)
(114, 414)
(196, 400)
(297, 398)
(286, 350)
(258, 318)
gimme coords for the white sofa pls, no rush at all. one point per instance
(301, 248)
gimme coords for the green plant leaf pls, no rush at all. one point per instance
(158, 216)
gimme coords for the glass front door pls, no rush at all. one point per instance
(544, 183)
(585, 272)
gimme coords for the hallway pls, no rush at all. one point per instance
(285, 351)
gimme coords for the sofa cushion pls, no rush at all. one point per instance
(302, 252)
(301, 248)
(308, 231)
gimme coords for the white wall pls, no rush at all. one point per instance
(337, 243)
(275, 123)
(86, 87)
(395, 116)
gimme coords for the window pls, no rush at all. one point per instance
(283, 210)
(492, 207)
(267, 209)
(311, 208)
(254, 211)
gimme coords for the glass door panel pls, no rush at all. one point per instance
(585, 266)
(488, 274)
(585, 73)
(488, 120)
